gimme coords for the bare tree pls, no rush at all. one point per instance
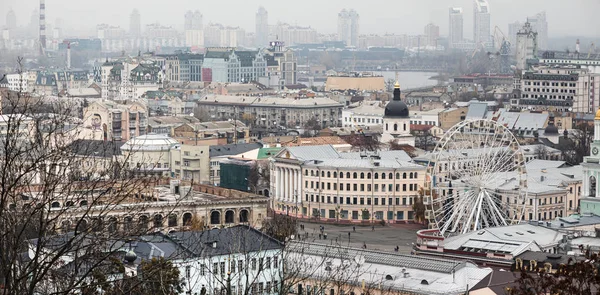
(363, 142)
(56, 227)
(577, 145)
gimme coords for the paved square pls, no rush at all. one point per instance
(383, 238)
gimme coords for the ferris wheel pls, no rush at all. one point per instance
(476, 178)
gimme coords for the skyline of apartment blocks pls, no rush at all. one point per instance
(456, 28)
(294, 35)
(262, 28)
(481, 22)
(348, 27)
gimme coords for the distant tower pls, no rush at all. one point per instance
(527, 47)
(481, 22)
(455, 35)
(11, 20)
(262, 28)
(540, 25)
(42, 27)
(432, 33)
(194, 33)
(348, 27)
(135, 24)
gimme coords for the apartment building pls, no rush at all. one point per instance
(559, 89)
(109, 120)
(269, 113)
(229, 65)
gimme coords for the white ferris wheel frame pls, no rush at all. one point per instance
(473, 203)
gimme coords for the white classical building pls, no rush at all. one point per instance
(319, 182)
(396, 121)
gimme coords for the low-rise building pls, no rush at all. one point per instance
(319, 182)
(109, 120)
(224, 132)
(167, 124)
(272, 114)
(452, 116)
(367, 113)
(219, 153)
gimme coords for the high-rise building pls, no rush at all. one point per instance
(527, 47)
(348, 27)
(481, 22)
(135, 23)
(432, 33)
(11, 20)
(455, 34)
(540, 25)
(261, 38)
(513, 29)
(194, 29)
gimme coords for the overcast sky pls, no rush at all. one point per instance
(565, 17)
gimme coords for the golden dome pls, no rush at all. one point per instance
(397, 85)
(597, 114)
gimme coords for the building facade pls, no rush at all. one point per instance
(527, 46)
(109, 120)
(229, 65)
(269, 114)
(590, 201)
(348, 27)
(261, 38)
(559, 89)
(482, 23)
(455, 35)
(318, 182)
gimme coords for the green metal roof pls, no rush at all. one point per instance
(265, 153)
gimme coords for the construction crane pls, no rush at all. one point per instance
(503, 45)
(69, 43)
(592, 50)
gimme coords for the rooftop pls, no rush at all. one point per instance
(270, 101)
(233, 149)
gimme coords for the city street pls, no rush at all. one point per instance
(382, 238)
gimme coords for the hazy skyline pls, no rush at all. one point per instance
(572, 18)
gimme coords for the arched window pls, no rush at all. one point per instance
(416, 175)
(322, 173)
(306, 172)
(348, 175)
(215, 217)
(187, 219)
(158, 221)
(369, 175)
(395, 127)
(334, 174)
(355, 175)
(398, 175)
(172, 221)
(376, 175)
(229, 216)
(382, 175)
(404, 126)
(244, 216)
(404, 175)
(362, 175)
(592, 186)
(55, 205)
(386, 127)
(391, 176)
(410, 175)
(328, 174)
(341, 174)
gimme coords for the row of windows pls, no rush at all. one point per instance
(362, 120)
(359, 200)
(551, 90)
(563, 84)
(564, 97)
(220, 267)
(412, 187)
(362, 175)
